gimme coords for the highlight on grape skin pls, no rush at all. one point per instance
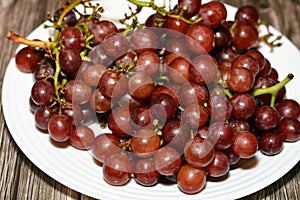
(180, 97)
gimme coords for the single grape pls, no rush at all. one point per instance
(141, 117)
(243, 106)
(165, 89)
(191, 180)
(144, 172)
(100, 103)
(82, 137)
(167, 160)
(176, 134)
(140, 85)
(213, 13)
(247, 15)
(70, 61)
(227, 54)
(59, 127)
(154, 20)
(42, 116)
(145, 142)
(247, 62)
(219, 166)
(112, 84)
(221, 135)
(119, 122)
(27, 59)
(288, 108)
(271, 142)
(178, 70)
(192, 6)
(222, 37)
(42, 93)
(101, 29)
(265, 118)
(290, 129)
(266, 71)
(274, 74)
(199, 38)
(177, 27)
(115, 45)
(240, 80)
(43, 71)
(105, 145)
(239, 125)
(259, 57)
(245, 144)
(77, 91)
(117, 169)
(148, 62)
(143, 40)
(177, 46)
(199, 152)
(72, 38)
(245, 36)
(203, 69)
(92, 74)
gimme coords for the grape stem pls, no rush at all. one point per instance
(273, 90)
(163, 11)
(228, 93)
(55, 79)
(33, 43)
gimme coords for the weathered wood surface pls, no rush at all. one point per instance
(20, 179)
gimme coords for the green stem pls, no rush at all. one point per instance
(56, 76)
(162, 11)
(273, 90)
(140, 3)
(228, 93)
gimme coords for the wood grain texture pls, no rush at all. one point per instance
(20, 179)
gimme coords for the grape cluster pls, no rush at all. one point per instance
(185, 95)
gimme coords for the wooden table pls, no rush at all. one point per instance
(21, 179)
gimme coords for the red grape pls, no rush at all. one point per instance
(82, 137)
(117, 169)
(59, 127)
(104, 145)
(145, 173)
(145, 142)
(27, 59)
(191, 180)
(199, 152)
(245, 144)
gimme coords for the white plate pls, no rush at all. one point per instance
(77, 170)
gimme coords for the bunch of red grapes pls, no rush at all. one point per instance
(185, 95)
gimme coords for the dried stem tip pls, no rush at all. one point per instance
(33, 43)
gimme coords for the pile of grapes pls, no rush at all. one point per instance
(185, 94)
